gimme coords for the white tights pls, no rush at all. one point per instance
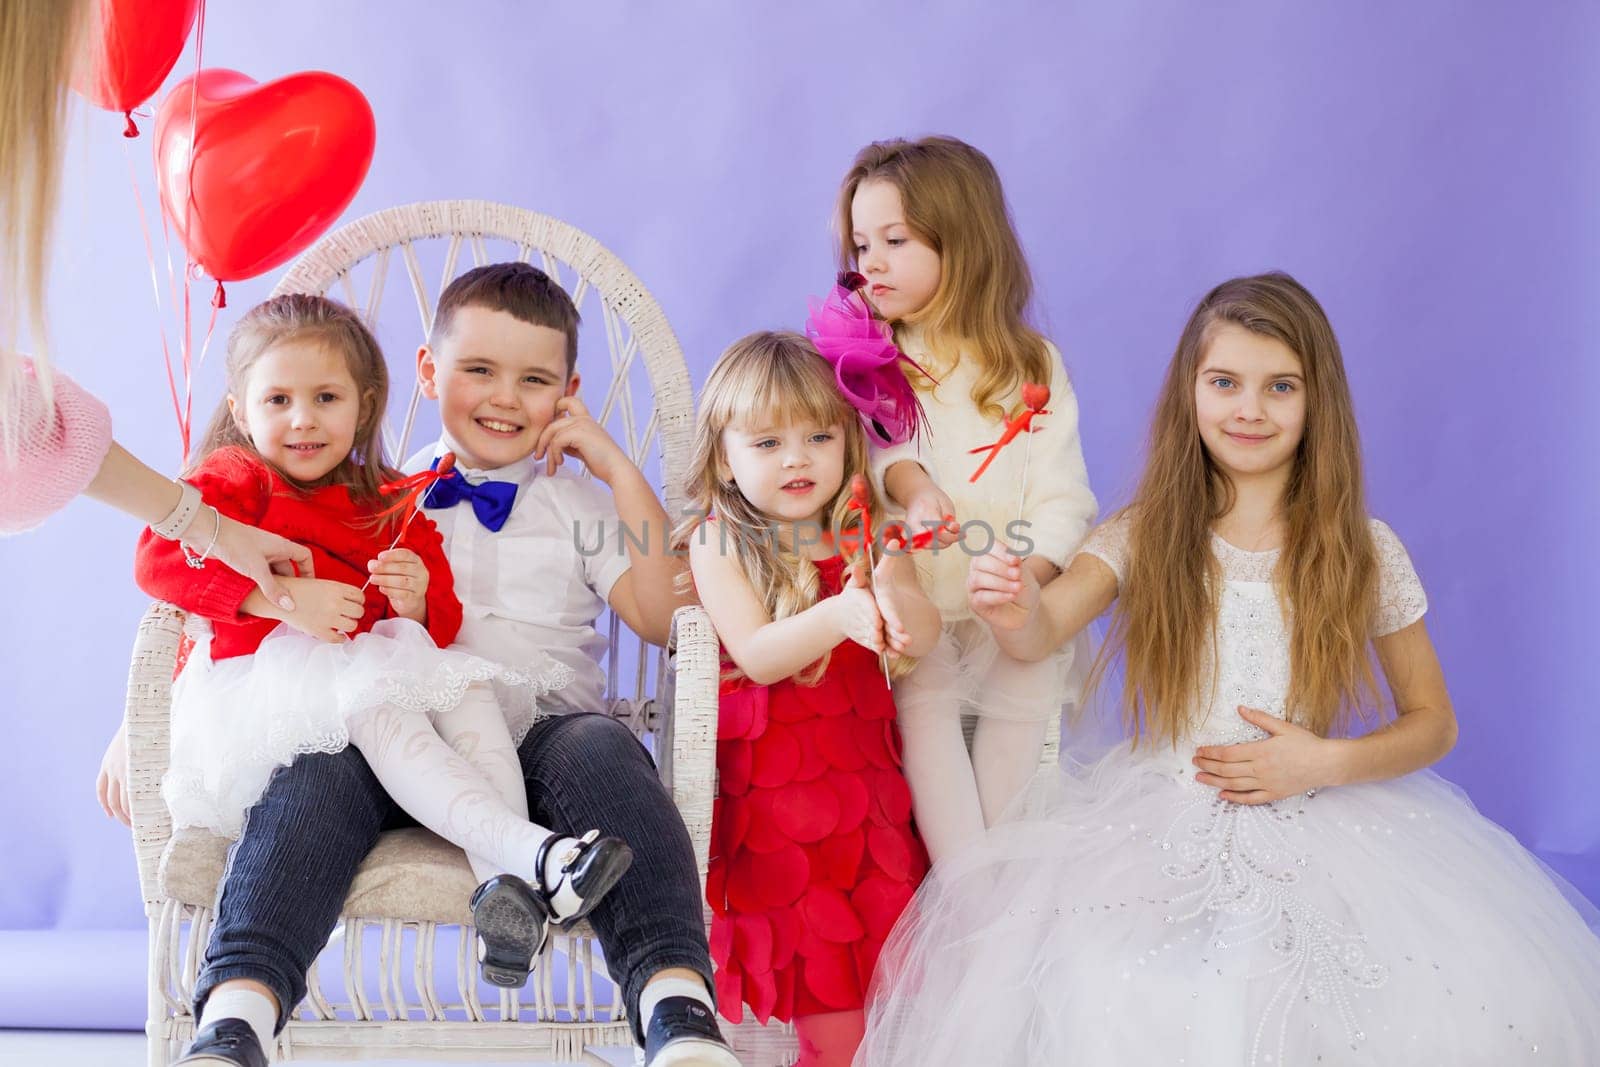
(956, 795)
(459, 776)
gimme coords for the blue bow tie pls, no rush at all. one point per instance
(491, 501)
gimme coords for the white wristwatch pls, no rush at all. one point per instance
(173, 526)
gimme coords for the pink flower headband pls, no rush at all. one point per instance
(866, 362)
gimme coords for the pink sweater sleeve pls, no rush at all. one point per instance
(58, 454)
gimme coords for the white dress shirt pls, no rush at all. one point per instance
(540, 581)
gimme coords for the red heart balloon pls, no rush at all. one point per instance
(129, 48)
(270, 167)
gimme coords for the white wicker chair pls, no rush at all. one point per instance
(672, 703)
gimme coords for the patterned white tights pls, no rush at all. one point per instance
(459, 776)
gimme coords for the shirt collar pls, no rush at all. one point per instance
(523, 472)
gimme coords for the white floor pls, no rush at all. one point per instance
(88, 1048)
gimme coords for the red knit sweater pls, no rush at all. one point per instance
(241, 485)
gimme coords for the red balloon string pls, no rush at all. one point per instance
(205, 346)
(155, 290)
(187, 344)
(184, 420)
(182, 407)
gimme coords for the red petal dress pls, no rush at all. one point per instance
(813, 852)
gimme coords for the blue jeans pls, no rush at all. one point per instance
(290, 870)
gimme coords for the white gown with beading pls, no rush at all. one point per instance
(1124, 914)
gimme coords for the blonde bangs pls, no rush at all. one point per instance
(765, 380)
(759, 393)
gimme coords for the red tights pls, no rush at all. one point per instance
(830, 1039)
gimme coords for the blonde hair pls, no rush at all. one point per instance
(771, 377)
(954, 203)
(38, 44)
(299, 316)
(1327, 572)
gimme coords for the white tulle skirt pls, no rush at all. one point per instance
(1125, 915)
(236, 721)
(966, 673)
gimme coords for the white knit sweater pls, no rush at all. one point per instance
(1058, 507)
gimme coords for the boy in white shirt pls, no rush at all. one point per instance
(536, 561)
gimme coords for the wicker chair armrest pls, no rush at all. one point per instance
(148, 718)
(689, 729)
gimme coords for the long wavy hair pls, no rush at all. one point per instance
(954, 203)
(299, 316)
(1164, 625)
(769, 378)
(38, 43)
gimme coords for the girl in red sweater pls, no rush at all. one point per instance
(361, 659)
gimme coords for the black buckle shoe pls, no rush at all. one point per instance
(227, 1042)
(513, 924)
(590, 868)
(682, 1032)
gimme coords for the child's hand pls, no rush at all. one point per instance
(324, 609)
(858, 615)
(112, 784)
(399, 573)
(931, 508)
(1292, 760)
(1000, 590)
(884, 577)
(577, 434)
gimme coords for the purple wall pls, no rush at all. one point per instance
(1428, 170)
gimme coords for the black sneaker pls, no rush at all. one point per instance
(229, 1042)
(513, 923)
(682, 1032)
(591, 866)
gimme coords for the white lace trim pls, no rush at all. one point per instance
(445, 686)
(1401, 598)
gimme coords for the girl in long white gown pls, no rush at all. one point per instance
(1243, 885)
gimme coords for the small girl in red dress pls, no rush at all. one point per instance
(813, 851)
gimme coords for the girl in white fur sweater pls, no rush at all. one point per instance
(926, 223)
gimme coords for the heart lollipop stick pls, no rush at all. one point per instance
(1034, 398)
(860, 500)
(415, 487)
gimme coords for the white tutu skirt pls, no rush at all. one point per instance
(1125, 915)
(965, 673)
(236, 721)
